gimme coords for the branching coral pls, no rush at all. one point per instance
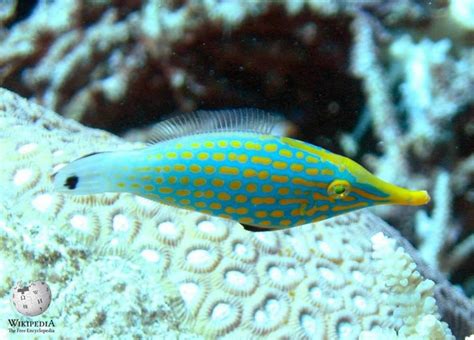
(383, 114)
(434, 231)
(326, 279)
(435, 88)
(157, 56)
(417, 136)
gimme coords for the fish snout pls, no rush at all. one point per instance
(410, 197)
(420, 197)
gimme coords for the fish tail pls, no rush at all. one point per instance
(86, 175)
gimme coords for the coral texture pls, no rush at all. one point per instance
(120, 263)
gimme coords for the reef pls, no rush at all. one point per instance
(118, 263)
(388, 83)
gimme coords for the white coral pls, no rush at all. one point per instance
(404, 286)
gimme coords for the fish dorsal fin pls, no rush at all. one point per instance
(198, 122)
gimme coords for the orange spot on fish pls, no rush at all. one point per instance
(296, 167)
(316, 209)
(261, 160)
(236, 144)
(235, 185)
(249, 173)
(251, 187)
(327, 172)
(280, 165)
(229, 170)
(199, 181)
(223, 196)
(277, 213)
(241, 198)
(219, 156)
(279, 178)
(209, 169)
(165, 190)
(215, 205)
(252, 146)
(187, 155)
(195, 168)
(263, 200)
(217, 182)
(270, 147)
(179, 167)
(183, 192)
(203, 156)
(208, 194)
(350, 207)
(286, 201)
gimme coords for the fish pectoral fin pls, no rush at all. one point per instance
(255, 229)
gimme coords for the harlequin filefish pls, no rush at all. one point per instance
(229, 164)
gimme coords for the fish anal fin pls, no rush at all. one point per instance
(255, 229)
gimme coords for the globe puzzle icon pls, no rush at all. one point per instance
(31, 300)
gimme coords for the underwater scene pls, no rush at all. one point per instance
(237, 169)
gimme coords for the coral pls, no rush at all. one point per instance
(121, 65)
(176, 273)
(425, 135)
(158, 56)
(435, 88)
(463, 13)
(407, 288)
(89, 304)
(433, 231)
(366, 66)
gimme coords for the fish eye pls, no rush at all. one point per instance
(339, 188)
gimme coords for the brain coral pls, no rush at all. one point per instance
(121, 264)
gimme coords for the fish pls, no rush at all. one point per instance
(232, 164)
